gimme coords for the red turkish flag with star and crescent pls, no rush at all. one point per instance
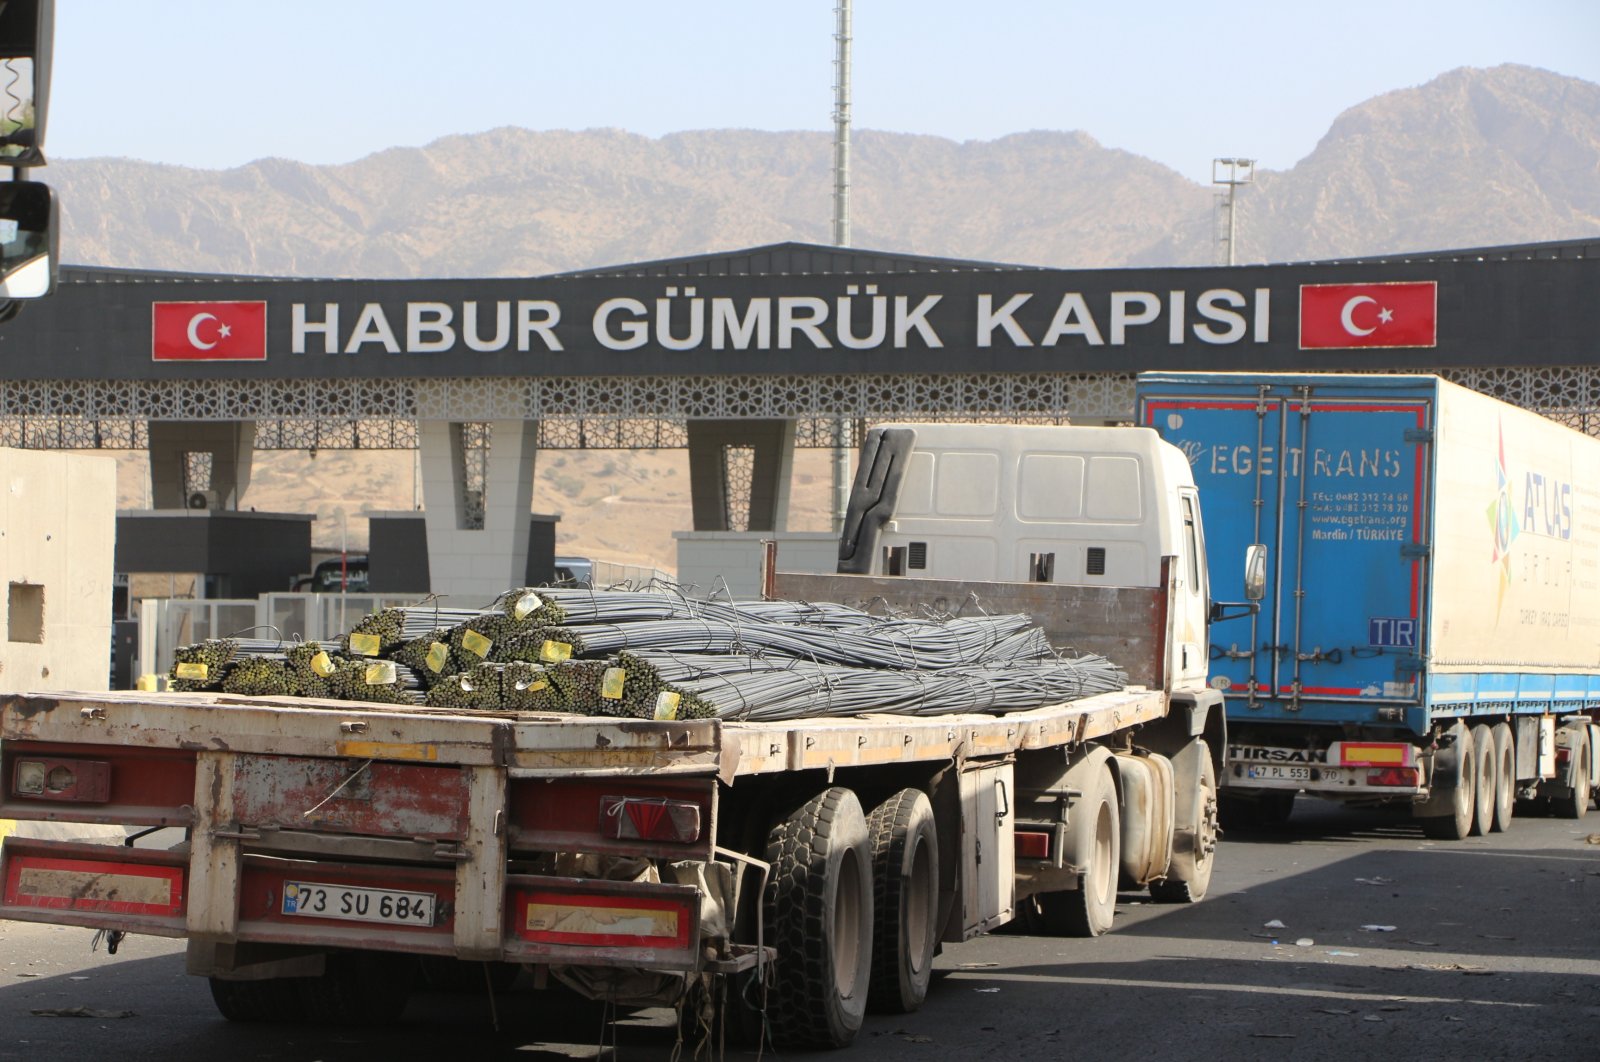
(1369, 315)
(208, 331)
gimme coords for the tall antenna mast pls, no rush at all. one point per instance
(841, 234)
(841, 128)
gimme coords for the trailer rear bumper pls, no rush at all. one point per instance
(1340, 770)
(320, 904)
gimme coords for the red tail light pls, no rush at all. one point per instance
(649, 819)
(52, 778)
(1032, 845)
(1563, 754)
(1399, 776)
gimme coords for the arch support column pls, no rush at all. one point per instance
(212, 457)
(739, 472)
(477, 488)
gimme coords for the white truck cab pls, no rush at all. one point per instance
(1077, 506)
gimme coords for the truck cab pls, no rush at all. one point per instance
(1064, 505)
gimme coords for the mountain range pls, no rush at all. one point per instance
(1474, 157)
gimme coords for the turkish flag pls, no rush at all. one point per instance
(1369, 315)
(208, 331)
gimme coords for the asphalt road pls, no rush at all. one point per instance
(1494, 953)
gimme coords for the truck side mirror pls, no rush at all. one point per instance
(1255, 572)
(28, 227)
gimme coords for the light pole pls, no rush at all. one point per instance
(1230, 174)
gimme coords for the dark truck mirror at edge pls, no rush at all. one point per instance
(28, 231)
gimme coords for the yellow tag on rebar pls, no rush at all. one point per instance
(381, 673)
(532, 683)
(611, 683)
(476, 644)
(667, 705)
(365, 644)
(526, 605)
(555, 652)
(438, 656)
(193, 671)
(323, 664)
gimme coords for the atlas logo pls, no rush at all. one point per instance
(1503, 522)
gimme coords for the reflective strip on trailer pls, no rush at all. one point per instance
(94, 885)
(604, 923)
(1372, 754)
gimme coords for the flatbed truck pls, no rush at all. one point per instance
(796, 870)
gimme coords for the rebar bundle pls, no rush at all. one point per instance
(201, 666)
(655, 654)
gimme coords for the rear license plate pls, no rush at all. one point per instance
(1287, 773)
(312, 899)
(1281, 772)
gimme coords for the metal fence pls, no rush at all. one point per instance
(166, 623)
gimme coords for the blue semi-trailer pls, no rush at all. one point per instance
(1429, 627)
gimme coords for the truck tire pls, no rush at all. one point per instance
(1486, 792)
(1505, 778)
(1576, 801)
(1268, 810)
(819, 917)
(1087, 911)
(1458, 795)
(905, 901)
(273, 1000)
(358, 988)
(1194, 834)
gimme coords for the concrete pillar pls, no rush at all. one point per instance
(773, 443)
(477, 563)
(230, 444)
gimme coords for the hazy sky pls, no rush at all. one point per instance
(218, 83)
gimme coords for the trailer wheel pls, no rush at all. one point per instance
(1194, 840)
(1505, 779)
(819, 916)
(1576, 801)
(1267, 811)
(1455, 824)
(905, 901)
(358, 988)
(1087, 910)
(1486, 792)
(273, 1000)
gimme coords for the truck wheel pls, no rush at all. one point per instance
(1505, 778)
(273, 1000)
(1087, 910)
(1194, 836)
(1455, 825)
(819, 916)
(1486, 792)
(905, 901)
(358, 988)
(1266, 810)
(1576, 802)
